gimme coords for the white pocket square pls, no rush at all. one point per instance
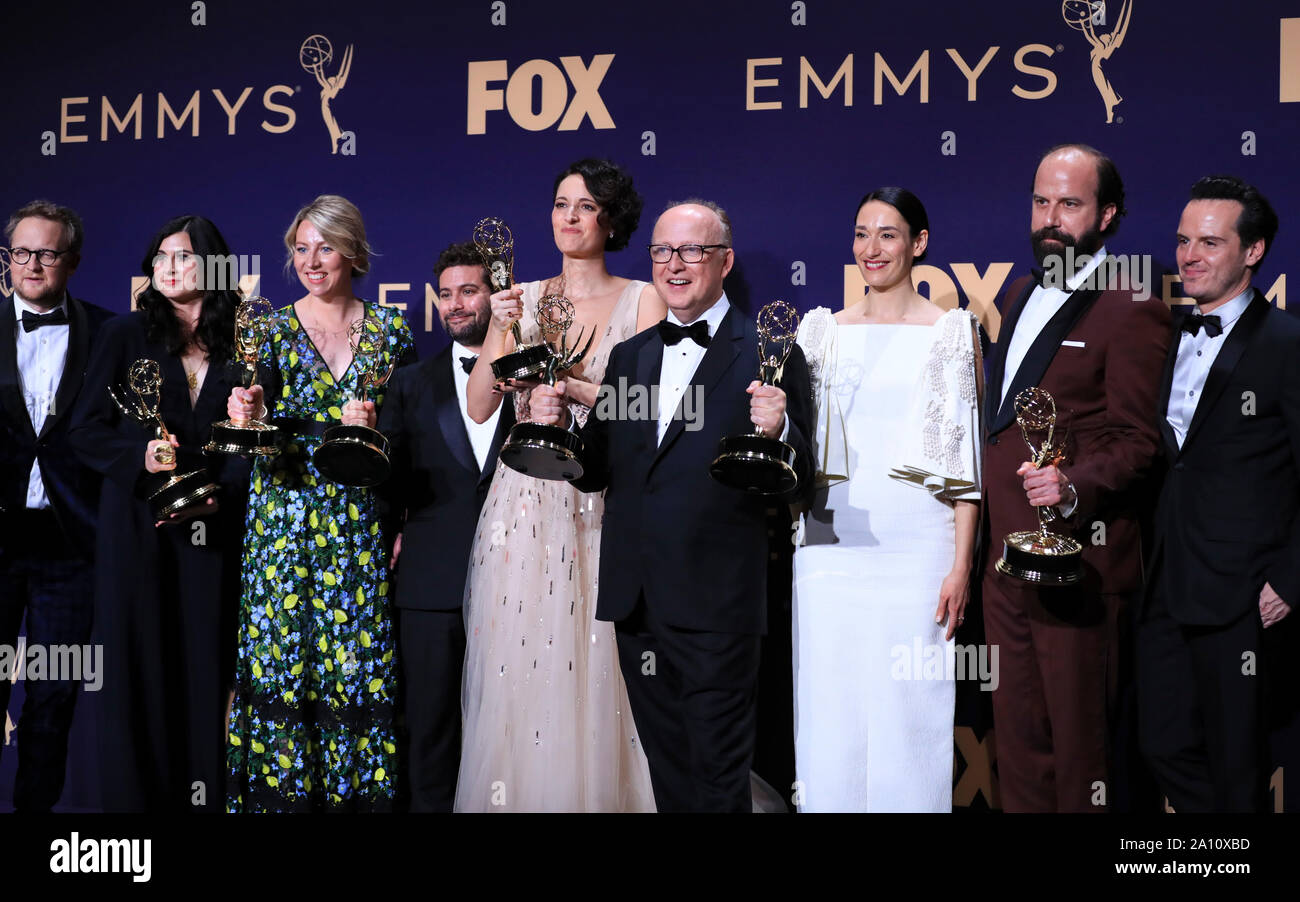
(1073, 344)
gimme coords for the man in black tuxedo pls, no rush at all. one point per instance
(442, 465)
(1226, 558)
(48, 499)
(683, 561)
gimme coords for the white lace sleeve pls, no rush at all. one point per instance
(942, 445)
(829, 444)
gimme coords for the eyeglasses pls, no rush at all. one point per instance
(21, 255)
(690, 253)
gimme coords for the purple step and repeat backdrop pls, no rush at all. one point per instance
(783, 112)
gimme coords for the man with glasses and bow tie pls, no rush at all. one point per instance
(443, 463)
(683, 562)
(48, 499)
(1226, 559)
(1096, 345)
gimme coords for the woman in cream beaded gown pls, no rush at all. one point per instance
(881, 575)
(547, 725)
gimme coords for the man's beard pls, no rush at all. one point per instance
(1084, 246)
(49, 296)
(472, 334)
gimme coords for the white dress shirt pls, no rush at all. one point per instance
(480, 434)
(1042, 305)
(681, 361)
(1196, 354)
(41, 356)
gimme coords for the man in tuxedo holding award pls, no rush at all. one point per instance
(683, 562)
(442, 466)
(48, 499)
(1095, 345)
(1226, 559)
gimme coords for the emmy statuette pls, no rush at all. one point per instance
(537, 449)
(1036, 555)
(753, 461)
(248, 437)
(358, 455)
(496, 246)
(172, 491)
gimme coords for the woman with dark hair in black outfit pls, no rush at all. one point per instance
(166, 591)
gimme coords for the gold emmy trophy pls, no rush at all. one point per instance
(252, 324)
(496, 246)
(358, 455)
(537, 449)
(1036, 555)
(174, 491)
(753, 461)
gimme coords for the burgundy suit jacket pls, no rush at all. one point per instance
(1106, 386)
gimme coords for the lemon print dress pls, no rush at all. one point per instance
(311, 728)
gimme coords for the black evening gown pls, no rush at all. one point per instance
(166, 597)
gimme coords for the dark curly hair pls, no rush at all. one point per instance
(215, 330)
(611, 187)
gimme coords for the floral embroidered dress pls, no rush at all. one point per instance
(312, 723)
(897, 444)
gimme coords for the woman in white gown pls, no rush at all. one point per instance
(547, 725)
(881, 575)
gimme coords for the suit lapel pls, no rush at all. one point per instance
(11, 393)
(1042, 352)
(997, 367)
(504, 423)
(449, 418)
(722, 353)
(1166, 385)
(74, 367)
(649, 365)
(1234, 345)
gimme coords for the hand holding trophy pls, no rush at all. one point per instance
(1036, 555)
(753, 461)
(174, 492)
(537, 449)
(358, 455)
(253, 436)
(496, 246)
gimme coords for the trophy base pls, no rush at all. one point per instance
(522, 363)
(248, 438)
(543, 451)
(353, 455)
(1045, 560)
(180, 492)
(755, 463)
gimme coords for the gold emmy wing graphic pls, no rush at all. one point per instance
(4, 273)
(315, 54)
(1084, 16)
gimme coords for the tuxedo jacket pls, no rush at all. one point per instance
(436, 481)
(1228, 515)
(1100, 357)
(696, 549)
(72, 487)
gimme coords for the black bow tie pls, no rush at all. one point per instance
(467, 363)
(672, 333)
(1193, 322)
(33, 321)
